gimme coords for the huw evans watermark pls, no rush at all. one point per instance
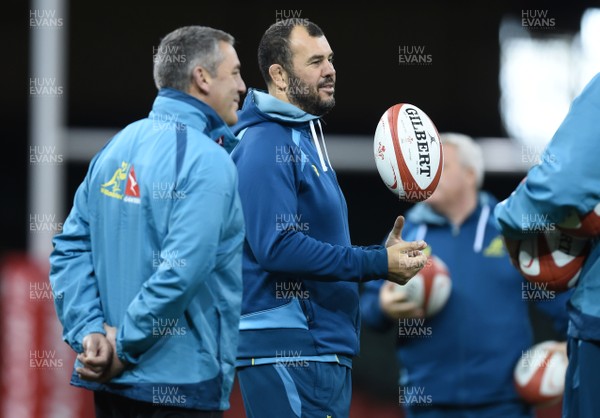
(413, 327)
(414, 55)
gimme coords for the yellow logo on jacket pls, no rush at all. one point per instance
(114, 187)
(496, 248)
(316, 171)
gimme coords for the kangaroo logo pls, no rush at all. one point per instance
(113, 187)
(117, 178)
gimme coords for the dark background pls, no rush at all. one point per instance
(110, 48)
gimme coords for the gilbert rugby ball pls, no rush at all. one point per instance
(430, 288)
(539, 375)
(552, 258)
(586, 226)
(408, 152)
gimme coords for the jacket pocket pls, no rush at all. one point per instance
(307, 308)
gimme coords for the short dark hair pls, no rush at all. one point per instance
(185, 48)
(274, 46)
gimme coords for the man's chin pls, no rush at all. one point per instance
(326, 96)
(231, 119)
(327, 105)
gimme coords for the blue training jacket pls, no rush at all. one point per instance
(466, 353)
(300, 271)
(567, 178)
(153, 246)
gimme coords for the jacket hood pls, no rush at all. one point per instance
(423, 213)
(174, 106)
(260, 106)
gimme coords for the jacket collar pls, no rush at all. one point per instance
(423, 213)
(174, 106)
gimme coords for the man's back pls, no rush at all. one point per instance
(159, 277)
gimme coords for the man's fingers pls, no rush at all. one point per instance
(414, 246)
(410, 247)
(90, 347)
(389, 287)
(95, 358)
(397, 229)
(111, 333)
(88, 374)
(407, 306)
(415, 262)
(399, 306)
(95, 345)
(96, 363)
(396, 294)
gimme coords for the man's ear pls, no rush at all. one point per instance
(279, 76)
(201, 79)
(472, 176)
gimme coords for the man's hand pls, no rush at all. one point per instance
(96, 357)
(99, 357)
(116, 366)
(395, 236)
(394, 302)
(405, 260)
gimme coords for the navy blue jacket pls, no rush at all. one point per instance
(300, 271)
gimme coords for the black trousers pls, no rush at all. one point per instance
(108, 405)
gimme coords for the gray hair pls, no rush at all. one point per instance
(183, 50)
(470, 154)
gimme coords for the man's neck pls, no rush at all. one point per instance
(461, 209)
(278, 94)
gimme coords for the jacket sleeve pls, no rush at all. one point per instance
(268, 189)
(188, 252)
(371, 314)
(76, 295)
(568, 176)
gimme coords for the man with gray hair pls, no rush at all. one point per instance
(464, 367)
(147, 270)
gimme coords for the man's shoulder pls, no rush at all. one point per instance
(267, 132)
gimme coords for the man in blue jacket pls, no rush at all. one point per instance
(568, 178)
(147, 270)
(459, 363)
(300, 318)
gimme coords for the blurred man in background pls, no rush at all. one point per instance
(300, 317)
(568, 178)
(462, 366)
(147, 270)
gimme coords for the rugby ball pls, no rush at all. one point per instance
(430, 288)
(552, 258)
(539, 375)
(586, 226)
(408, 152)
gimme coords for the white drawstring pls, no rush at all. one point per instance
(483, 218)
(316, 141)
(421, 232)
(323, 141)
(479, 235)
